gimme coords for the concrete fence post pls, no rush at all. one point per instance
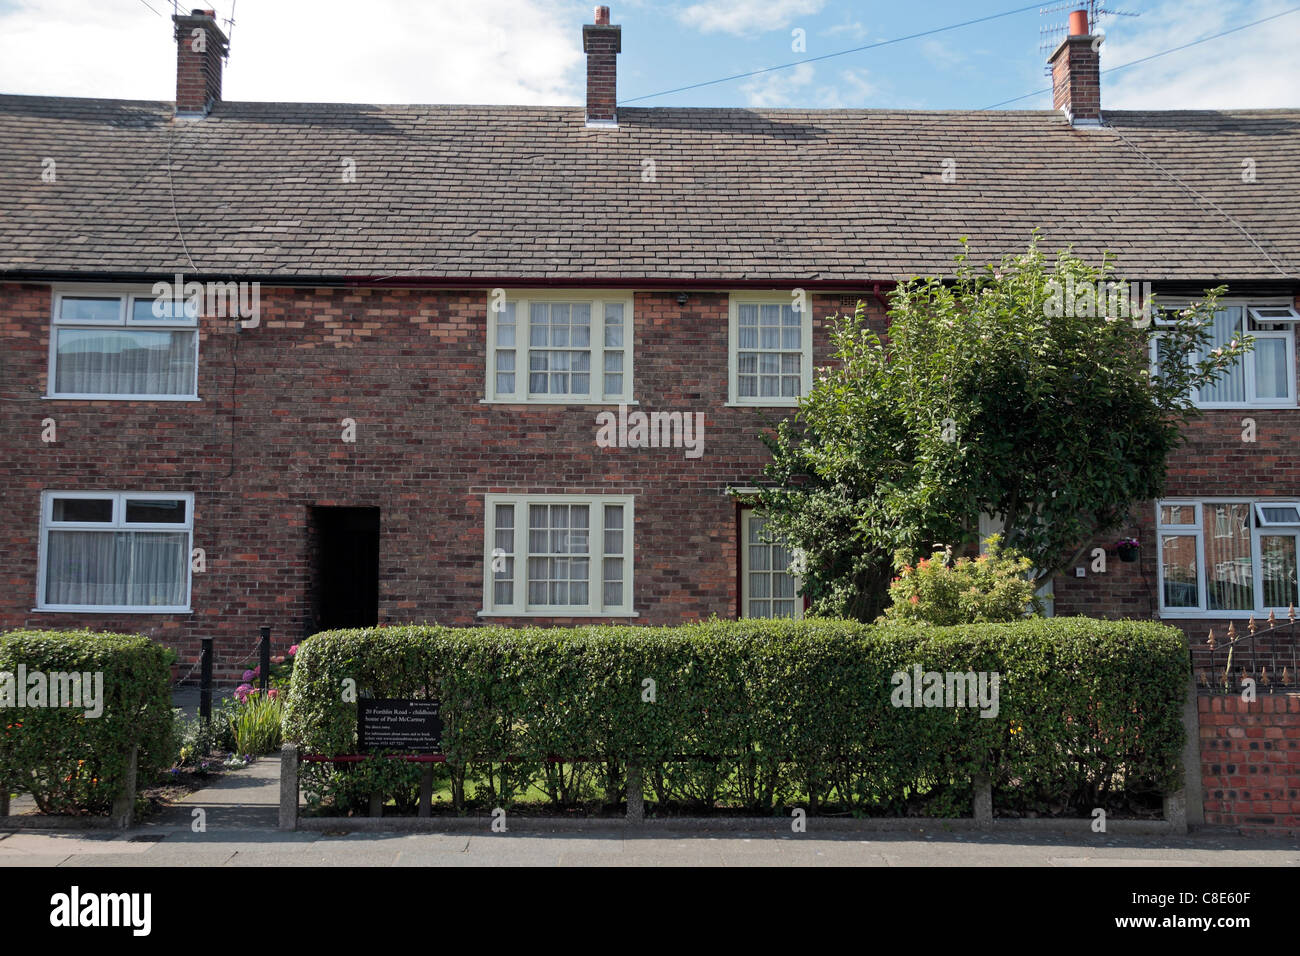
(1193, 792)
(4, 801)
(123, 810)
(635, 794)
(983, 803)
(289, 758)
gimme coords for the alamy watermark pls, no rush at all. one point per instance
(220, 300)
(1119, 300)
(651, 430)
(948, 689)
(26, 688)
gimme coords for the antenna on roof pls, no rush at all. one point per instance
(230, 21)
(1050, 36)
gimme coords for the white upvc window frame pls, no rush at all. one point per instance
(126, 296)
(595, 606)
(783, 298)
(1197, 531)
(747, 515)
(1248, 305)
(118, 523)
(522, 300)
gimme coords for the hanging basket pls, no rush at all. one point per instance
(1128, 552)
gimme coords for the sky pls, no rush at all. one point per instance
(530, 52)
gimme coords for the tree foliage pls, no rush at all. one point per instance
(1021, 390)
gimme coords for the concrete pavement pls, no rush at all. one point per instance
(239, 829)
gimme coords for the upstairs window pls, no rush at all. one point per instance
(122, 345)
(560, 349)
(770, 350)
(1264, 377)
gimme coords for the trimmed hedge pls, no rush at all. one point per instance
(767, 712)
(72, 763)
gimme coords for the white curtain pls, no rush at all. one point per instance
(116, 568)
(1230, 386)
(1270, 368)
(125, 362)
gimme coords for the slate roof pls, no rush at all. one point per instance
(491, 191)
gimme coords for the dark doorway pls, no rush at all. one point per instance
(346, 567)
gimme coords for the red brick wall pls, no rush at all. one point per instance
(1250, 762)
(408, 366)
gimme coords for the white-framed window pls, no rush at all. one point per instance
(122, 344)
(768, 587)
(1227, 557)
(115, 551)
(770, 349)
(1263, 378)
(558, 555)
(560, 348)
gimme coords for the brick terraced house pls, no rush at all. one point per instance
(406, 425)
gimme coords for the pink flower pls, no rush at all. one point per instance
(273, 693)
(242, 692)
(293, 649)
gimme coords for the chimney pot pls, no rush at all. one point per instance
(1079, 23)
(602, 16)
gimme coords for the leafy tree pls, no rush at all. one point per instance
(1022, 390)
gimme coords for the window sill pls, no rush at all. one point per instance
(554, 614)
(121, 398)
(613, 403)
(787, 404)
(1197, 615)
(1246, 408)
(99, 609)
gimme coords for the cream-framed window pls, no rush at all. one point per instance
(769, 588)
(770, 359)
(115, 551)
(558, 556)
(1227, 557)
(560, 348)
(123, 344)
(1264, 377)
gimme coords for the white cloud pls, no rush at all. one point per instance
(779, 88)
(854, 30)
(796, 87)
(1254, 68)
(379, 51)
(746, 17)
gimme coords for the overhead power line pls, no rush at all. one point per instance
(1153, 56)
(827, 56)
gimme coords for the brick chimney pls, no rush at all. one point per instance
(1076, 80)
(200, 48)
(602, 44)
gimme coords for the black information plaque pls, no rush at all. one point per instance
(395, 724)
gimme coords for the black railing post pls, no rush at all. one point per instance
(264, 659)
(205, 679)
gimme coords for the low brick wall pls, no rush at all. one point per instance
(1250, 762)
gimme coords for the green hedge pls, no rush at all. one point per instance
(770, 713)
(70, 762)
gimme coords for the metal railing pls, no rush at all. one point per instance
(1265, 655)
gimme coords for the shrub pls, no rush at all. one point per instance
(766, 712)
(255, 723)
(996, 586)
(198, 739)
(71, 762)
